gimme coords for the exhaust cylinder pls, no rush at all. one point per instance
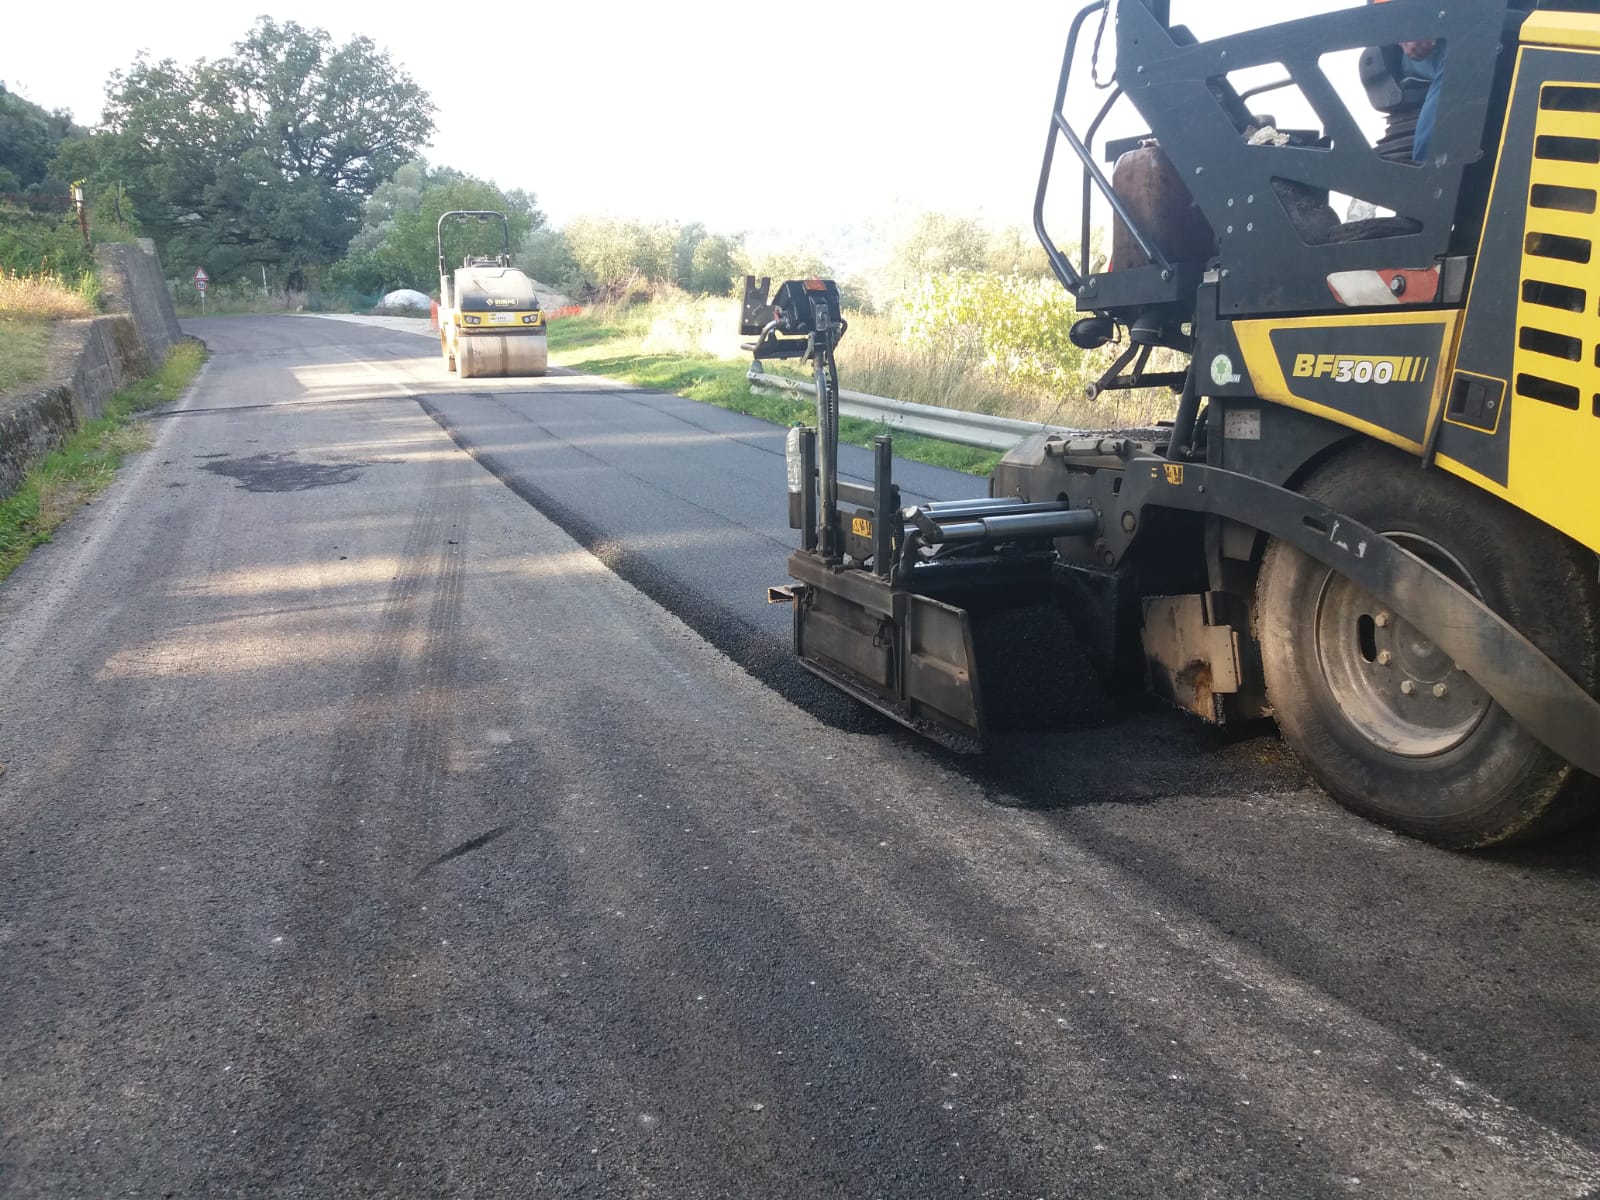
(1080, 522)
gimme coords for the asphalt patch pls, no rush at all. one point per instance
(284, 473)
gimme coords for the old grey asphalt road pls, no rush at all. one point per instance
(401, 797)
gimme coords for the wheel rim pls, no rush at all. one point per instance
(1397, 688)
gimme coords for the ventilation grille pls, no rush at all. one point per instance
(1557, 328)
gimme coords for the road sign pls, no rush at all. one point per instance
(201, 278)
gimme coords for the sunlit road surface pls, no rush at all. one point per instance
(407, 793)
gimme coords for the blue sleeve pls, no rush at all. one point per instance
(1429, 111)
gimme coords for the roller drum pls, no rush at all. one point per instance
(496, 356)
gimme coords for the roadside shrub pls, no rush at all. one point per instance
(679, 323)
(33, 242)
(241, 295)
(1014, 328)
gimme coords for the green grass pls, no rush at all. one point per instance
(603, 346)
(23, 342)
(87, 462)
(29, 305)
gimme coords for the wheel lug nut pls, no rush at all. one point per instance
(1440, 691)
(1385, 658)
(1381, 620)
(1407, 687)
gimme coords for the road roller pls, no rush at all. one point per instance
(490, 322)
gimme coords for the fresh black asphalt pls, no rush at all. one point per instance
(407, 793)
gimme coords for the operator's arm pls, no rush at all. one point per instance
(1425, 60)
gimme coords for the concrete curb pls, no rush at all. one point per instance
(90, 360)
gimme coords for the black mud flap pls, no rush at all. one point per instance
(908, 656)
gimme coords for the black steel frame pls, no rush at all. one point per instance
(1181, 90)
(505, 231)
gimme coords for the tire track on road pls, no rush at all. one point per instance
(359, 955)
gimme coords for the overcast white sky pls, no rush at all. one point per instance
(755, 114)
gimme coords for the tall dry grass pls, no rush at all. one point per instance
(874, 359)
(46, 297)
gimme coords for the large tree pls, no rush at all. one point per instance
(614, 257)
(712, 265)
(263, 157)
(937, 244)
(546, 256)
(397, 246)
(703, 261)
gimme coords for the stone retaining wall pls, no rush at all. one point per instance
(90, 359)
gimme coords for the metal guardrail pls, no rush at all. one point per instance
(947, 424)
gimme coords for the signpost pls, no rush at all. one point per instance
(201, 281)
(82, 206)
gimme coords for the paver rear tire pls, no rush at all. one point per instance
(1380, 716)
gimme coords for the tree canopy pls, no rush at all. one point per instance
(612, 256)
(397, 244)
(300, 155)
(608, 259)
(265, 156)
(29, 139)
